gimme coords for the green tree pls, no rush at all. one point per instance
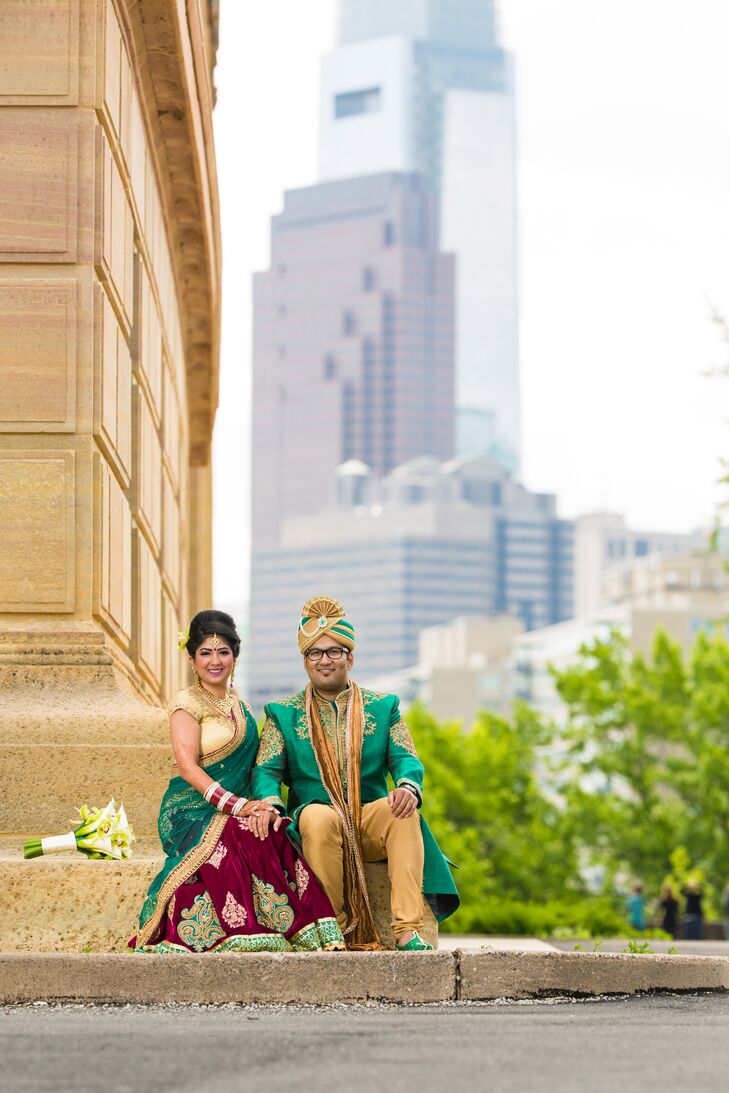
(647, 761)
(487, 809)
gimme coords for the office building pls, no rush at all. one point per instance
(353, 342)
(425, 86)
(683, 594)
(604, 542)
(426, 544)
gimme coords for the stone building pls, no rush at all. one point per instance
(109, 331)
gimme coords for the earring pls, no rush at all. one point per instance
(232, 677)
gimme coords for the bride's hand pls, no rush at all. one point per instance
(260, 816)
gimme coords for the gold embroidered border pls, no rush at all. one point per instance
(181, 873)
(233, 943)
(322, 935)
(228, 748)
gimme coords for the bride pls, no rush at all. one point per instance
(232, 880)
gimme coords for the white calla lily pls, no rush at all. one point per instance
(102, 833)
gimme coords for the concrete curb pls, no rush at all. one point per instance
(321, 978)
(534, 974)
(298, 978)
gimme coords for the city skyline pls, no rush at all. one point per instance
(613, 347)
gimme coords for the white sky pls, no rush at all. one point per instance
(623, 115)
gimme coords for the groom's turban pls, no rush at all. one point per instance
(323, 616)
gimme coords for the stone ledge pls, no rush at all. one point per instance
(326, 978)
(295, 978)
(70, 903)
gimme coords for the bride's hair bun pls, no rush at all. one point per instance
(210, 622)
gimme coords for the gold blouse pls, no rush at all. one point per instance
(216, 730)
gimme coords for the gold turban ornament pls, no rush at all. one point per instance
(321, 616)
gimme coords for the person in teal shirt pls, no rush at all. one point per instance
(636, 907)
(334, 744)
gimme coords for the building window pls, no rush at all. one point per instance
(330, 367)
(616, 548)
(348, 322)
(351, 103)
(641, 548)
(368, 279)
(388, 233)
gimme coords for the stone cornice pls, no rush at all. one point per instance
(167, 45)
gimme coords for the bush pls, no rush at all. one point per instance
(509, 918)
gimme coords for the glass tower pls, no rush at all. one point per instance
(424, 86)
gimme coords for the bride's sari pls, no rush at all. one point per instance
(222, 888)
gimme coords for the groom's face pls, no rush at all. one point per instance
(325, 672)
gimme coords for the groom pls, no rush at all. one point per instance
(334, 744)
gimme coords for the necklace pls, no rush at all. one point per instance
(224, 706)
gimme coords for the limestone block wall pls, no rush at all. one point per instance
(109, 315)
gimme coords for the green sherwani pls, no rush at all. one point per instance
(286, 756)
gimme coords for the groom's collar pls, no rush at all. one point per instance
(326, 698)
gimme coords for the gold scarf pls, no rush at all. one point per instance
(360, 930)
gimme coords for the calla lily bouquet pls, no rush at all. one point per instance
(102, 833)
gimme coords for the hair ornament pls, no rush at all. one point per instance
(183, 636)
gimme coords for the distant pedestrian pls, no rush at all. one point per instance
(693, 914)
(725, 909)
(668, 904)
(636, 907)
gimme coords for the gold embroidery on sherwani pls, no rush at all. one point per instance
(329, 721)
(298, 702)
(201, 927)
(217, 855)
(234, 913)
(370, 721)
(302, 878)
(271, 743)
(272, 909)
(171, 908)
(400, 735)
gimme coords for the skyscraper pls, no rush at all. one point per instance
(423, 85)
(353, 342)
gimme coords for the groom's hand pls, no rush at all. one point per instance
(403, 802)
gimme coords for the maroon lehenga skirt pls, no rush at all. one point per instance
(251, 895)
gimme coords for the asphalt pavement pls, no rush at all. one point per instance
(661, 1043)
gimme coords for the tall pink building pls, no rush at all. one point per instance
(353, 346)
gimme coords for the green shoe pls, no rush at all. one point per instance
(416, 944)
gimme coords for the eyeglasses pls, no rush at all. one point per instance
(335, 653)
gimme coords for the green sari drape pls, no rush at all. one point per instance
(189, 827)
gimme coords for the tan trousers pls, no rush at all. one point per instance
(383, 836)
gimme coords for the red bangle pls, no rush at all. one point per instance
(224, 800)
